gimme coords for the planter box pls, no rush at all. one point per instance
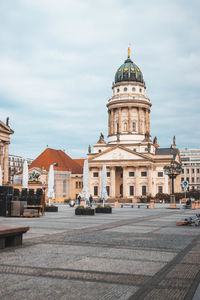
(103, 210)
(51, 208)
(85, 212)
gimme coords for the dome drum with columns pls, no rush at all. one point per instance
(129, 107)
(134, 163)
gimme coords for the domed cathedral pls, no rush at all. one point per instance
(133, 161)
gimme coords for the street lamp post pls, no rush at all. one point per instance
(172, 171)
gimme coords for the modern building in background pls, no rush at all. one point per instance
(191, 167)
(15, 164)
(5, 132)
(133, 160)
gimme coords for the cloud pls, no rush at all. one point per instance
(58, 61)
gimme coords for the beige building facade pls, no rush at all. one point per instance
(5, 132)
(191, 168)
(133, 161)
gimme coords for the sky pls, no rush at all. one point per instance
(58, 60)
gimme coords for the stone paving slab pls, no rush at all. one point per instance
(27, 287)
(134, 229)
(130, 254)
(116, 266)
(130, 239)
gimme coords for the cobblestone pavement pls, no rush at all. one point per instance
(129, 254)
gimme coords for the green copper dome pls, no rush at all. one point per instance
(128, 72)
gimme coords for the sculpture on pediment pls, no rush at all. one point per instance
(89, 149)
(174, 142)
(101, 139)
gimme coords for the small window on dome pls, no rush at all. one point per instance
(132, 69)
(118, 90)
(125, 69)
(140, 90)
(119, 70)
(125, 89)
(133, 89)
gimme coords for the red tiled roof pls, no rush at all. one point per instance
(80, 161)
(51, 156)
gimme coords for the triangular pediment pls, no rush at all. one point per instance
(119, 153)
(6, 129)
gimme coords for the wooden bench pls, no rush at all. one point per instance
(11, 235)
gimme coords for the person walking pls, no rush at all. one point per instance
(79, 199)
(91, 200)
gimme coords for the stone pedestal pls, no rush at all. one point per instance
(193, 206)
(116, 204)
(152, 204)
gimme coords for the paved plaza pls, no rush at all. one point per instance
(133, 253)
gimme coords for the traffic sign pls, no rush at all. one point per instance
(185, 184)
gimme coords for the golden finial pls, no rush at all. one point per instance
(129, 51)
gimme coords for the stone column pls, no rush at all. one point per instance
(112, 122)
(1, 155)
(146, 120)
(5, 167)
(129, 120)
(149, 121)
(108, 122)
(139, 125)
(149, 178)
(112, 182)
(120, 120)
(125, 177)
(137, 182)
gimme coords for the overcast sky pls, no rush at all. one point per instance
(58, 59)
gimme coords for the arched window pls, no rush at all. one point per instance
(125, 126)
(118, 90)
(125, 89)
(133, 89)
(134, 126)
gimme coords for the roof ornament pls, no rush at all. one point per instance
(101, 139)
(129, 51)
(7, 121)
(89, 149)
(174, 142)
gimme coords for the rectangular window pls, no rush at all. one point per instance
(76, 184)
(182, 179)
(188, 171)
(192, 171)
(160, 174)
(108, 174)
(96, 174)
(182, 171)
(95, 190)
(131, 188)
(144, 190)
(131, 174)
(188, 179)
(79, 184)
(134, 126)
(108, 190)
(143, 174)
(160, 189)
(198, 179)
(192, 179)
(198, 171)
